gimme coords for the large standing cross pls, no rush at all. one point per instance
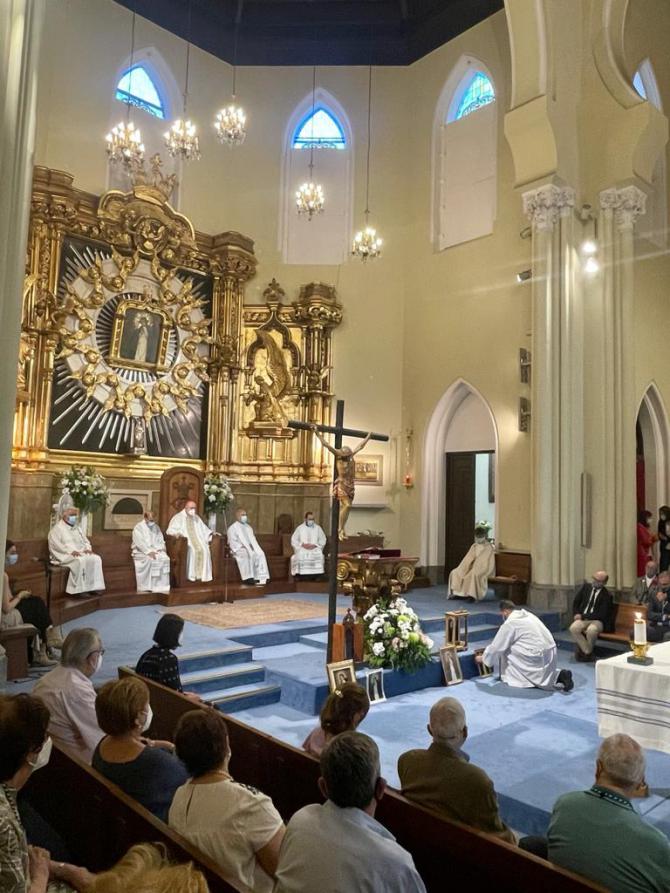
(339, 431)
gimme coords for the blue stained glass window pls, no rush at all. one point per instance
(137, 88)
(320, 130)
(638, 83)
(479, 93)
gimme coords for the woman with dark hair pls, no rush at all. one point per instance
(160, 663)
(28, 608)
(663, 538)
(232, 823)
(343, 711)
(645, 540)
(24, 748)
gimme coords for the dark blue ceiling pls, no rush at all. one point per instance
(321, 32)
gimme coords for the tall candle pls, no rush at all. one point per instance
(639, 630)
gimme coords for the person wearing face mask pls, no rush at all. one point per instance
(148, 771)
(152, 564)
(68, 693)
(644, 587)
(470, 578)
(25, 748)
(71, 548)
(188, 524)
(658, 611)
(308, 542)
(160, 663)
(250, 558)
(592, 610)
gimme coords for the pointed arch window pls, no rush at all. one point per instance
(136, 87)
(321, 130)
(480, 92)
(638, 83)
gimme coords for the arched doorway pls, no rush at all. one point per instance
(653, 452)
(461, 436)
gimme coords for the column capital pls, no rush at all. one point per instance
(627, 204)
(545, 205)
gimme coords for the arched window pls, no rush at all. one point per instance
(137, 88)
(465, 154)
(653, 225)
(638, 83)
(325, 238)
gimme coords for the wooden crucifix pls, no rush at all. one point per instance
(341, 455)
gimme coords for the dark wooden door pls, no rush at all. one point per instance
(460, 508)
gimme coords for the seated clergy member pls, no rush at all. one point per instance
(658, 611)
(152, 564)
(248, 554)
(524, 651)
(600, 835)
(69, 695)
(234, 824)
(470, 578)
(70, 547)
(188, 524)
(592, 610)
(442, 779)
(308, 542)
(148, 771)
(339, 845)
(645, 587)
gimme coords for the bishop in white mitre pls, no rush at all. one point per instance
(70, 547)
(470, 578)
(250, 558)
(152, 563)
(308, 542)
(188, 524)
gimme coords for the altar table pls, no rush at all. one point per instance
(634, 699)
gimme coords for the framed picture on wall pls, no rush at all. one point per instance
(369, 469)
(126, 508)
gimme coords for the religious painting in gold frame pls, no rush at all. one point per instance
(451, 666)
(140, 336)
(369, 469)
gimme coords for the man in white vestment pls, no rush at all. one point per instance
(188, 524)
(470, 578)
(70, 547)
(152, 563)
(525, 652)
(308, 542)
(250, 558)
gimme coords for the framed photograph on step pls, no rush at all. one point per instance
(339, 673)
(451, 666)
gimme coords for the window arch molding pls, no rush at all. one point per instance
(646, 74)
(161, 75)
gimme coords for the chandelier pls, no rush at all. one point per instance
(309, 199)
(230, 123)
(182, 139)
(124, 142)
(366, 243)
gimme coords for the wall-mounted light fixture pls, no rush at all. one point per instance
(524, 415)
(524, 365)
(524, 276)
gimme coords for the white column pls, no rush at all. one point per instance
(20, 32)
(556, 401)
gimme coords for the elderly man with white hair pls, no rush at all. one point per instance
(70, 547)
(599, 834)
(442, 779)
(68, 693)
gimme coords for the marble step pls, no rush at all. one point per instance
(205, 681)
(217, 657)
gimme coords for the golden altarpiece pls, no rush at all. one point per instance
(138, 352)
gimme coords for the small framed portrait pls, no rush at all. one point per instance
(451, 666)
(339, 673)
(140, 336)
(482, 668)
(369, 469)
(374, 684)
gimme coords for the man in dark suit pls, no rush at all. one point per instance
(644, 588)
(592, 610)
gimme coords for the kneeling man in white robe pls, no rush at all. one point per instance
(525, 652)
(188, 524)
(152, 563)
(70, 547)
(470, 578)
(250, 558)
(308, 542)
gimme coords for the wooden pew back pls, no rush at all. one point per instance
(624, 620)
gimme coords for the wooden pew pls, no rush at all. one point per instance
(15, 640)
(512, 576)
(99, 823)
(623, 623)
(442, 849)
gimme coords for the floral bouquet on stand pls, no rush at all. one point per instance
(393, 637)
(86, 489)
(218, 496)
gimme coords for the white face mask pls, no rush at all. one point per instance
(12, 558)
(310, 522)
(244, 519)
(42, 756)
(98, 663)
(149, 719)
(71, 520)
(180, 640)
(151, 524)
(190, 512)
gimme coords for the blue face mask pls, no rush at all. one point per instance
(244, 519)
(71, 520)
(12, 558)
(310, 522)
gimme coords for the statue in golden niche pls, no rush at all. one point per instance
(270, 383)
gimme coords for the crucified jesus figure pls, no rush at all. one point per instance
(343, 485)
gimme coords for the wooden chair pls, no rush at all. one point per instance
(15, 640)
(512, 576)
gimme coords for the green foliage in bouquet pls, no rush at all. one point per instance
(393, 637)
(86, 488)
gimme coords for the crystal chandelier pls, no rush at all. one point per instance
(366, 243)
(182, 139)
(230, 123)
(124, 142)
(309, 199)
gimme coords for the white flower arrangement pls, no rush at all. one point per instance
(86, 488)
(218, 492)
(393, 636)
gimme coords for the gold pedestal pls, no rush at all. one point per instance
(639, 655)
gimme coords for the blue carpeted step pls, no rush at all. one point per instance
(244, 696)
(217, 657)
(204, 681)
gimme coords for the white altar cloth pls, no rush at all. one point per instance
(634, 699)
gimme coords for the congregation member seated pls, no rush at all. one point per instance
(339, 845)
(442, 778)
(592, 612)
(524, 652)
(25, 747)
(69, 696)
(645, 586)
(308, 542)
(658, 611)
(187, 523)
(251, 561)
(599, 834)
(148, 771)
(146, 869)
(160, 663)
(152, 563)
(234, 824)
(343, 711)
(71, 548)
(24, 607)
(471, 578)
